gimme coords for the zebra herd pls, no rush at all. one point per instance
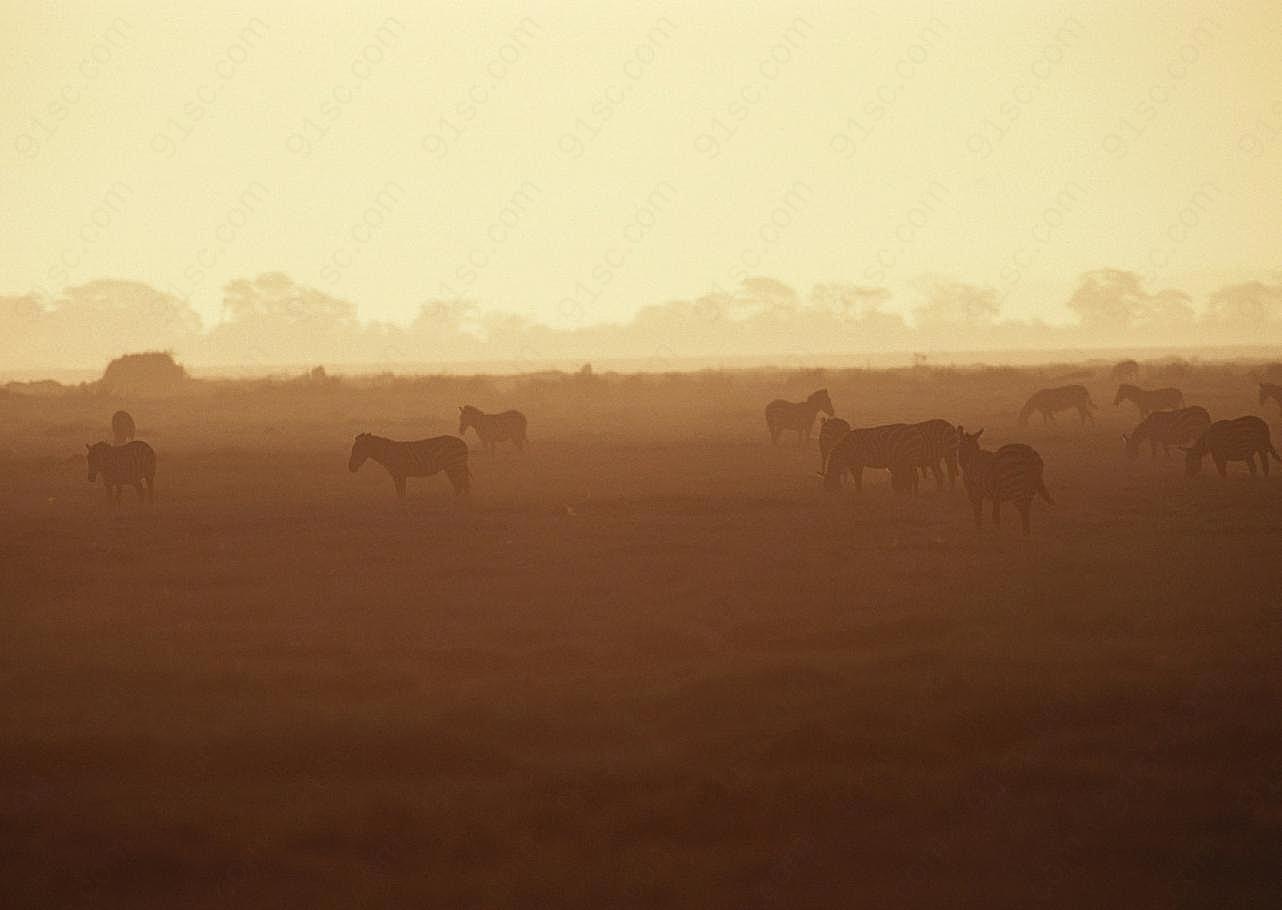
(909, 451)
(1014, 473)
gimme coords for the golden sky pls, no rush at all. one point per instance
(573, 162)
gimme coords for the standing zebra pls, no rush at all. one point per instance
(1167, 428)
(1149, 400)
(1048, 401)
(797, 415)
(1011, 474)
(830, 432)
(941, 446)
(1232, 440)
(122, 427)
(493, 428)
(1269, 390)
(900, 447)
(421, 458)
(121, 466)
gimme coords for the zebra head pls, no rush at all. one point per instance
(821, 399)
(95, 454)
(362, 448)
(467, 418)
(967, 445)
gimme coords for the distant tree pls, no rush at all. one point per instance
(151, 373)
(1248, 310)
(953, 307)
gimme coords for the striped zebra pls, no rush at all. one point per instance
(122, 427)
(1011, 474)
(1049, 401)
(128, 465)
(421, 458)
(797, 415)
(941, 449)
(1269, 390)
(492, 429)
(831, 429)
(1149, 400)
(1167, 428)
(899, 447)
(1231, 440)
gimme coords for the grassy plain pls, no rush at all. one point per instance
(648, 665)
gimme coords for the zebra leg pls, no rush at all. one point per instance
(400, 486)
(1025, 507)
(997, 512)
(1221, 465)
(1250, 463)
(858, 474)
(1264, 463)
(939, 475)
(142, 497)
(977, 503)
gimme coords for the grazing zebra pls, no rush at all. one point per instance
(121, 466)
(1167, 428)
(830, 432)
(493, 428)
(797, 415)
(1011, 474)
(1232, 440)
(1149, 400)
(900, 447)
(1126, 371)
(1269, 390)
(1048, 401)
(122, 427)
(941, 446)
(421, 458)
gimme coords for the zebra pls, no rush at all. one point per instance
(797, 415)
(1231, 440)
(121, 466)
(1011, 474)
(831, 429)
(122, 427)
(493, 428)
(1126, 371)
(421, 458)
(1149, 400)
(1048, 401)
(941, 446)
(900, 447)
(1167, 428)
(1269, 390)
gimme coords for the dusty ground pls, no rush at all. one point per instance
(650, 665)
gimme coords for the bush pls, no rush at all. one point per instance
(150, 373)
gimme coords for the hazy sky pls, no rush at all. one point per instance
(575, 162)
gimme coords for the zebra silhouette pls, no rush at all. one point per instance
(492, 429)
(1011, 474)
(831, 429)
(420, 458)
(1167, 428)
(131, 465)
(1270, 391)
(1240, 439)
(1149, 400)
(898, 447)
(940, 449)
(122, 427)
(1049, 401)
(797, 415)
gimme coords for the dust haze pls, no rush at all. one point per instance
(639, 456)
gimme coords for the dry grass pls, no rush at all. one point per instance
(649, 666)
